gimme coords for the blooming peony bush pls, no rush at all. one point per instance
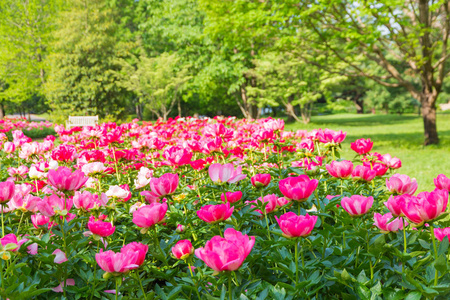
(213, 209)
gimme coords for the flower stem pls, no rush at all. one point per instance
(20, 222)
(117, 289)
(3, 222)
(67, 255)
(95, 271)
(230, 294)
(296, 261)
(115, 164)
(404, 246)
(159, 247)
(433, 238)
(140, 284)
(268, 228)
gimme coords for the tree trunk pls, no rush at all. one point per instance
(179, 107)
(290, 111)
(2, 111)
(359, 104)
(429, 121)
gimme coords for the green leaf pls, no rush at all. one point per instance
(441, 263)
(414, 296)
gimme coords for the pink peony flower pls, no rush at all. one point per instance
(139, 249)
(50, 206)
(11, 238)
(100, 228)
(441, 233)
(396, 203)
(294, 226)
(9, 147)
(182, 249)
(231, 197)
(261, 180)
(64, 180)
(362, 146)
(227, 253)
(149, 215)
(357, 205)
(225, 173)
(385, 225)
(401, 184)
(66, 153)
(215, 213)
(7, 190)
(340, 169)
(177, 156)
(442, 182)
(363, 173)
(117, 263)
(164, 185)
(59, 288)
(391, 162)
(426, 206)
(298, 188)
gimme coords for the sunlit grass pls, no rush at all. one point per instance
(401, 136)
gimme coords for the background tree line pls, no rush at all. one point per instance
(155, 58)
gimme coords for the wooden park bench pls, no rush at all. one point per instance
(81, 121)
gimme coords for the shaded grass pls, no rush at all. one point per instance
(400, 136)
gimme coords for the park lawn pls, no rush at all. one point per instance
(400, 136)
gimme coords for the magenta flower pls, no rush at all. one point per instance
(298, 188)
(391, 162)
(331, 136)
(63, 179)
(139, 249)
(215, 213)
(164, 185)
(183, 249)
(100, 228)
(231, 197)
(177, 156)
(261, 180)
(225, 173)
(385, 225)
(7, 190)
(441, 233)
(11, 239)
(401, 184)
(442, 182)
(357, 205)
(426, 206)
(227, 253)
(54, 205)
(362, 146)
(117, 263)
(294, 226)
(340, 169)
(396, 203)
(149, 215)
(363, 173)
(272, 203)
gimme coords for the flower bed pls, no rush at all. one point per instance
(32, 129)
(214, 209)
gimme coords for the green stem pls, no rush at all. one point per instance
(67, 255)
(159, 247)
(433, 238)
(332, 151)
(268, 228)
(115, 164)
(404, 246)
(3, 222)
(370, 259)
(296, 261)
(117, 289)
(20, 222)
(95, 272)
(303, 257)
(1, 275)
(230, 294)
(140, 284)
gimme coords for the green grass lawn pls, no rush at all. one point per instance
(400, 136)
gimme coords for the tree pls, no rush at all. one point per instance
(84, 62)
(386, 32)
(284, 79)
(25, 28)
(157, 81)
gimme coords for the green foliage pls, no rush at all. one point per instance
(83, 63)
